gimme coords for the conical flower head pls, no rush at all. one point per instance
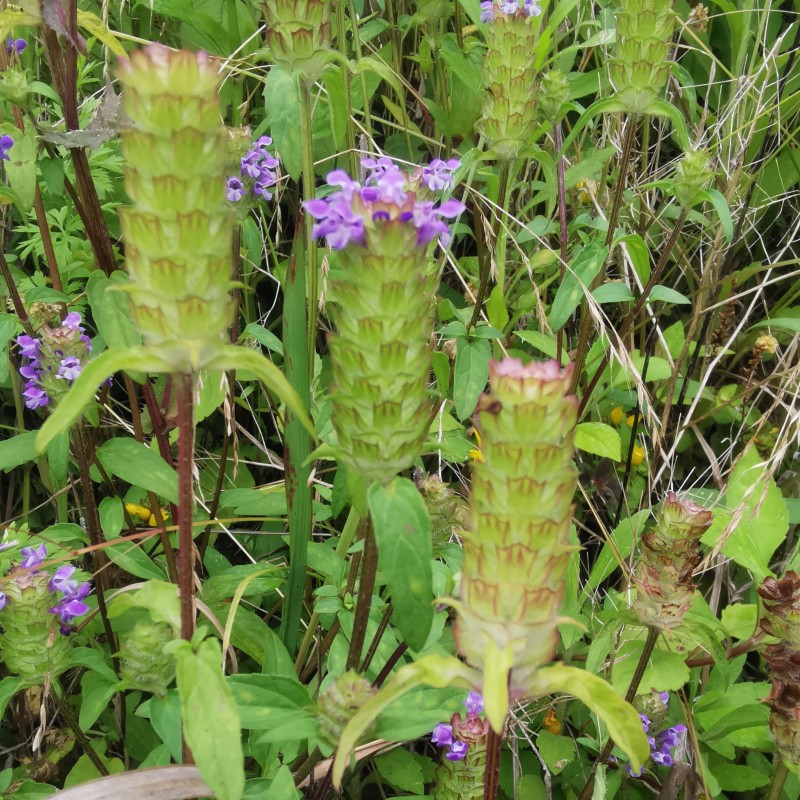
(781, 618)
(639, 66)
(508, 117)
(516, 556)
(52, 360)
(459, 775)
(668, 557)
(299, 34)
(339, 703)
(32, 644)
(447, 510)
(553, 93)
(143, 663)
(179, 230)
(381, 300)
(692, 175)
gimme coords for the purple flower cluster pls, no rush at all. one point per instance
(662, 746)
(443, 734)
(257, 173)
(6, 143)
(388, 195)
(15, 46)
(52, 361)
(70, 604)
(529, 8)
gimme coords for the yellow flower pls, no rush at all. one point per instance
(630, 418)
(135, 510)
(551, 722)
(616, 415)
(638, 455)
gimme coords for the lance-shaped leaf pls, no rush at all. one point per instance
(621, 719)
(435, 671)
(229, 357)
(140, 359)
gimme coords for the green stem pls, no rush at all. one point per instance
(779, 774)
(341, 22)
(298, 341)
(501, 239)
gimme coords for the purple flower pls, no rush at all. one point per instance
(62, 581)
(428, 226)
(3, 600)
(262, 143)
(645, 722)
(662, 757)
(457, 751)
(531, 8)
(487, 11)
(70, 368)
(337, 223)
(16, 46)
(509, 6)
(260, 187)
(30, 372)
(442, 735)
(664, 697)
(33, 557)
(474, 703)
(34, 396)
(235, 190)
(438, 175)
(28, 346)
(672, 736)
(340, 178)
(6, 143)
(72, 605)
(72, 321)
(251, 164)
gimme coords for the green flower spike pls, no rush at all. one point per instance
(299, 35)
(508, 117)
(178, 233)
(143, 663)
(514, 568)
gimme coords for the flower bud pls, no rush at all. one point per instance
(339, 703)
(692, 175)
(299, 34)
(143, 663)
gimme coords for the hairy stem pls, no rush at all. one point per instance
(185, 400)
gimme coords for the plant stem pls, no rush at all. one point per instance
(558, 141)
(779, 774)
(649, 644)
(491, 777)
(501, 237)
(69, 718)
(369, 569)
(298, 343)
(583, 339)
(185, 401)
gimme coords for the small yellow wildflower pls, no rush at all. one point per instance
(638, 455)
(616, 415)
(630, 418)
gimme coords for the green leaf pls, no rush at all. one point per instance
(136, 464)
(787, 323)
(158, 597)
(230, 357)
(110, 309)
(667, 295)
(282, 107)
(96, 693)
(757, 513)
(638, 253)
(666, 672)
(581, 272)
(556, 751)
(621, 719)
(210, 721)
(264, 337)
(401, 769)
(618, 548)
(471, 372)
(542, 341)
(94, 373)
(9, 686)
(21, 166)
(599, 439)
(403, 535)
(18, 450)
(614, 292)
(267, 700)
(717, 199)
(740, 778)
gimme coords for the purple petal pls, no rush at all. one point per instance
(442, 735)
(457, 751)
(474, 703)
(32, 557)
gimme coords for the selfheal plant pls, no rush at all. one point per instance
(381, 300)
(53, 360)
(15, 47)
(514, 570)
(6, 143)
(528, 8)
(34, 602)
